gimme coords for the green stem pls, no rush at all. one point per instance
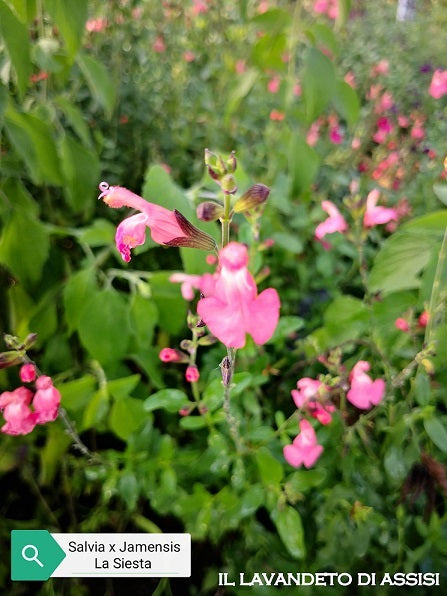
(226, 220)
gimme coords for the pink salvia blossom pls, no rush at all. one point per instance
(189, 283)
(438, 85)
(46, 400)
(306, 396)
(364, 392)
(304, 449)
(20, 420)
(231, 307)
(171, 355)
(273, 84)
(192, 374)
(334, 223)
(27, 373)
(377, 215)
(401, 324)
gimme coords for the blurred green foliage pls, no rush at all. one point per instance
(141, 88)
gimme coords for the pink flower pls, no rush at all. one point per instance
(364, 392)
(240, 66)
(189, 283)
(356, 143)
(423, 319)
(20, 420)
(313, 134)
(167, 227)
(350, 79)
(401, 324)
(171, 355)
(95, 25)
(384, 128)
(381, 68)
(27, 373)
(334, 223)
(403, 121)
(306, 396)
(189, 56)
(277, 115)
(159, 45)
(297, 90)
(198, 7)
(304, 449)
(46, 400)
(192, 374)
(231, 307)
(335, 135)
(273, 84)
(377, 215)
(417, 132)
(438, 85)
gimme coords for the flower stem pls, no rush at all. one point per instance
(232, 422)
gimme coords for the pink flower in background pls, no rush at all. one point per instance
(327, 7)
(263, 6)
(192, 374)
(335, 135)
(241, 66)
(385, 103)
(313, 134)
(356, 143)
(189, 56)
(350, 79)
(189, 283)
(384, 128)
(418, 132)
(27, 373)
(96, 25)
(423, 319)
(159, 45)
(403, 121)
(306, 396)
(199, 7)
(334, 223)
(377, 215)
(297, 90)
(231, 307)
(438, 85)
(273, 84)
(364, 392)
(304, 449)
(46, 400)
(20, 420)
(401, 324)
(277, 116)
(381, 68)
(167, 227)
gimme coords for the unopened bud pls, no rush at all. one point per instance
(12, 342)
(228, 184)
(209, 211)
(225, 367)
(253, 197)
(187, 345)
(171, 355)
(30, 340)
(231, 163)
(207, 340)
(10, 358)
(192, 374)
(193, 237)
(215, 164)
(192, 320)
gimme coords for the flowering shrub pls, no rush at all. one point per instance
(251, 350)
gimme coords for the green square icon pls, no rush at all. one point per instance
(35, 554)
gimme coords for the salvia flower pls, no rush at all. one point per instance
(334, 223)
(438, 85)
(192, 374)
(308, 396)
(171, 355)
(188, 283)
(46, 400)
(364, 392)
(377, 215)
(169, 228)
(231, 306)
(28, 373)
(304, 450)
(20, 419)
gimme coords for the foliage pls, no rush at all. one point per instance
(132, 92)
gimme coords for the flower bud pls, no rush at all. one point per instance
(30, 340)
(207, 340)
(192, 320)
(187, 345)
(10, 358)
(193, 238)
(253, 197)
(231, 163)
(192, 374)
(209, 211)
(225, 367)
(28, 373)
(228, 184)
(171, 355)
(215, 164)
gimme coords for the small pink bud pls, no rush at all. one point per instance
(402, 325)
(171, 355)
(192, 374)
(423, 319)
(27, 373)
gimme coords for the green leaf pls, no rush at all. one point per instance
(303, 480)
(76, 394)
(286, 326)
(16, 39)
(440, 191)
(270, 469)
(104, 326)
(290, 530)
(81, 170)
(290, 242)
(121, 388)
(24, 246)
(422, 388)
(77, 291)
(69, 16)
(345, 318)
(171, 306)
(268, 51)
(99, 82)
(3, 99)
(100, 233)
(192, 422)
(126, 416)
(318, 83)
(159, 188)
(274, 20)
(346, 102)
(171, 400)
(76, 120)
(241, 89)
(32, 138)
(437, 433)
(303, 165)
(143, 318)
(128, 489)
(25, 10)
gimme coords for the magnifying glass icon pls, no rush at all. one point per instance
(35, 553)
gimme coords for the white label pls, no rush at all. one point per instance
(124, 555)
